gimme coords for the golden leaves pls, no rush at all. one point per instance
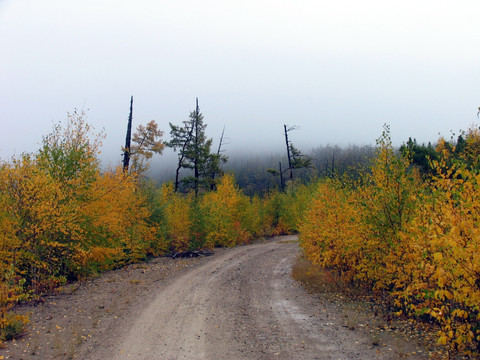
(61, 218)
(418, 242)
(225, 208)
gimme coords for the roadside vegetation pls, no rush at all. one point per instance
(408, 233)
(402, 226)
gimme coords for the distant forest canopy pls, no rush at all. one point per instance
(251, 170)
(252, 176)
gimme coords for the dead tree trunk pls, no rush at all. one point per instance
(288, 152)
(197, 151)
(219, 151)
(282, 185)
(126, 152)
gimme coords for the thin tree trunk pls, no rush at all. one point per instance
(219, 150)
(281, 176)
(126, 153)
(197, 154)
(288, 152)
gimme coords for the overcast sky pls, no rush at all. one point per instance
(338, 69)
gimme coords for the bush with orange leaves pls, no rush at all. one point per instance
(227, 217)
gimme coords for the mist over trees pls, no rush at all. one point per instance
(252, 176)
(251, 170)
(199, 160)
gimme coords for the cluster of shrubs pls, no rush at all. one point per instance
(413, 240)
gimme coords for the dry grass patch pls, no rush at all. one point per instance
(318, 280)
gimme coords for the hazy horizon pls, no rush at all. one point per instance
(338, 70)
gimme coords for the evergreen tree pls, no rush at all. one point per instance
(296, 160)
(420, 155)
(194, 153)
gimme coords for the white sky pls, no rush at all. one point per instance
(338, 69)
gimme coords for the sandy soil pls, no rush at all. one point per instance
(241, 303)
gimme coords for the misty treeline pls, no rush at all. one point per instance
(326, 161)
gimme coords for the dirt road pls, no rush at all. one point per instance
(243, 304)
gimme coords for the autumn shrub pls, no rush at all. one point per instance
(12, 291)
(115, 216)
(12, 326)
(154, 202)
(45, 223)
(415, 244)
(226, 207)
(355, 228)
(177, 227)
(277, 213)
(283, 211)
(332, 234)
(387, 198)
(254, 217)
(298, 196)
(225, 216)
(63, 218)
(445, 273)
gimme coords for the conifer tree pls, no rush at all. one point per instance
(194, 152)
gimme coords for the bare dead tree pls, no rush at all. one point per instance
(287, 142)
(126, 152)
(219, 158)
(296, 159)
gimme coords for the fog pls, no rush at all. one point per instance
(338, 70)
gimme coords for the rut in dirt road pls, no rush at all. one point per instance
(243, 304)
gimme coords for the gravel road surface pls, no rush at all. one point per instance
(244, 304)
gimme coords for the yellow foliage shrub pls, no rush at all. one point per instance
(332, 234)
(115, 214)
(61, 218)
(445, 269)
(223, 210)
(418, 245)
(177, 212)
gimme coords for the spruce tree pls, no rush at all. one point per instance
(194, 153)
